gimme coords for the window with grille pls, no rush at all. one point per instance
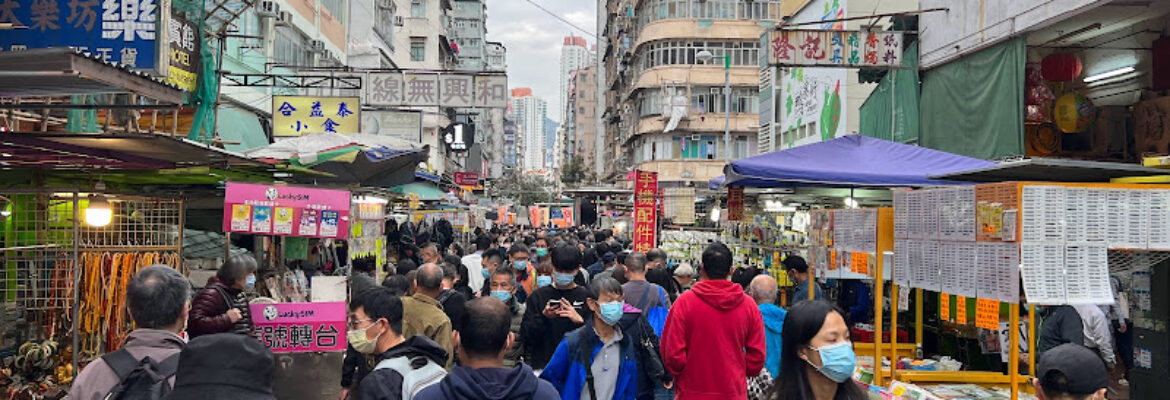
(418, 49)
(418, 8)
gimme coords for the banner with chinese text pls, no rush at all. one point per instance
(832, 48)
(298, 115)
(645, 211)
(434, 89)
(300, 327)
(185, 53)
(121, 31)
(286, 211)
(735, 204)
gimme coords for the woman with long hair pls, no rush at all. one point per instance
(816, 359)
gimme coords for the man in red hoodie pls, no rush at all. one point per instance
(714, 336)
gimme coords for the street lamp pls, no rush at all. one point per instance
(705, 56)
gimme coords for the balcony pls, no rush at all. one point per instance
(701, 123)
(684, 170)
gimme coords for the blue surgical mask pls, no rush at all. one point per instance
(543, 280)
(486, 274)
(563, 279)
(520, 265)
(611, 312)
(503, 295)
(837, 361)
(250, 282)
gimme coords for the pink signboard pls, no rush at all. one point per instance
(300, 327)
(286, 211)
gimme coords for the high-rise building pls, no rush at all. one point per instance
(469, 33)
(552, 144)
(530, 113)
(580, 117)
(665, 107)
(575, 55)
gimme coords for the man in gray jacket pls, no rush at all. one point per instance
(158, 298)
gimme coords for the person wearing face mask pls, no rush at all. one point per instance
(491, 263)
(544, 275)
(503, 287)
(222, 306)
(552, 311)
(524, 270)
(597, 361)
(816, 360)
(476, 274)
(404, 366)
(158, 298)
(540, 250)
(429, 253)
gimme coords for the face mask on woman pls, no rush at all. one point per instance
(611, 312)
(250, 282)
(357, 338)
(543, 280)
(837, 361)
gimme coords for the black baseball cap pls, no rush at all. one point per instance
(1083, 371)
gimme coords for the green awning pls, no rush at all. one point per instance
(426, 191)
(236, 125)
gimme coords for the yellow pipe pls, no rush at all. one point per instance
(1142, 179)
(893, 324)
(1014, 343)
(918, 317)
(1032, 339)
(879, 295)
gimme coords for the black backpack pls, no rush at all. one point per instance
(140, 379)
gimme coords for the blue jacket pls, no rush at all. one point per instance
(566, 369)
(773, 326)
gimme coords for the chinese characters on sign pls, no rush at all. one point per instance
(830, 48)
(184, 53)
(735, 204)
(645, 210)
(298, 115)
(286, 211)
(300, 327)
(120, 31)
(449, 90)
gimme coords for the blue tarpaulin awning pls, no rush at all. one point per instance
(851, 160)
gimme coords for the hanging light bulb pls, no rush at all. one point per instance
(98, 213)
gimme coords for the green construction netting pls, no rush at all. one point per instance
(974, 106)
(204, 96)
(875, 112)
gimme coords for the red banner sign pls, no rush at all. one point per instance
(467, 178)
(645, 212)
(735, 204)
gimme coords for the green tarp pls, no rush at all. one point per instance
(240, 126)
(426, 191)
(974, 106)
(875, 112)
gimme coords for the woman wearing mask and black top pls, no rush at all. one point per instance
(222, 306)
(817, 359)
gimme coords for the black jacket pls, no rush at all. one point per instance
(463, 383)
(386, 384)
(1060, 325)
(651, 372)
(353, 368)
(662, 276)
(542, 335)
(454, 304)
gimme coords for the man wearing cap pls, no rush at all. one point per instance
(1071, 372)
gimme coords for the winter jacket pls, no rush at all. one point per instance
(802, 292)
(651, 372)
(542, 334)
(713, 341)
(97, 379)
(422, 315)
(1060, 325)
(773, 326)
(516, 352)
(516, 383)
(209, 309)
(354, 367)
(566, 369)
(386, 384)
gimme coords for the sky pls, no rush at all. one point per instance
(533, 40)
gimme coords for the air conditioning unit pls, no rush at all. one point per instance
(284, 18)
(399, 21)
(696, 138)
(317, 46)
(268, 9)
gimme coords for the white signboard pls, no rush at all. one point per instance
(835, 48)
(405, 125)
(434, 89)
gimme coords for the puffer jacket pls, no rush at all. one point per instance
(209, 311)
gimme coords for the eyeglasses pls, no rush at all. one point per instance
(353, 324)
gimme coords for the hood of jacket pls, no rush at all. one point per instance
(773, 317)
(415, 346)
(490, 383)
(721, 294)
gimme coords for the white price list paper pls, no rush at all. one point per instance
(902, 274)
(930, 266)
(1043, 209)
(956, 210)
(1159, 220)
(1042, 267)
(1087, 274)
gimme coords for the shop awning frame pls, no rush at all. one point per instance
(80, 151)
(63, 71)
(1051, 170)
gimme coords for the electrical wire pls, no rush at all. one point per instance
(562, 19)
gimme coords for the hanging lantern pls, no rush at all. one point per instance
(1060, 67)
(1073, 113)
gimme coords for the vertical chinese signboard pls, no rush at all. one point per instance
(298, 115)
(184, 53)
(286, 211)
(833, 48)
(122, 31)
(300, 327)
(735, 204)
(645, 212)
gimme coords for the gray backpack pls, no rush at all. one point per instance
(414, 380)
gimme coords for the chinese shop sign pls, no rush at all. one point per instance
(645, 212)
(735, 204)
(832, 48)
(184, 53)
(429, 89)
(298, 115)
(122, 31)
(286, 211)
(300, 327)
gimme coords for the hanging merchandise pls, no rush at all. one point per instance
(1061, 67)
(1073, 113)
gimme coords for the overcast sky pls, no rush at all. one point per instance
(534, 38)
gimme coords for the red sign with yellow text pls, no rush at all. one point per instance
(735, 204)
(645, 212)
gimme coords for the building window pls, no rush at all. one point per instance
(418, 49)
(669, 52)
(655, 10)
(289, 48)
(418, 8)
(740, 147)
(711, 100)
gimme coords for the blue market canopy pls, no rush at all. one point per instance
(851, 160)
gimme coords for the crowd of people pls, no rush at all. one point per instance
(536, 314)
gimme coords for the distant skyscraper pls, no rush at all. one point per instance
(530, 113)
(551, 150)
(574, 55)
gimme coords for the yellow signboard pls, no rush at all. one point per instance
(298, 115)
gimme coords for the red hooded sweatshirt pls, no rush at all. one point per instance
(713, 341)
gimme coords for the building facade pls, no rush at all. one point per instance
(469, 33)
(530, 112)
(580, 128)
(575, 55)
